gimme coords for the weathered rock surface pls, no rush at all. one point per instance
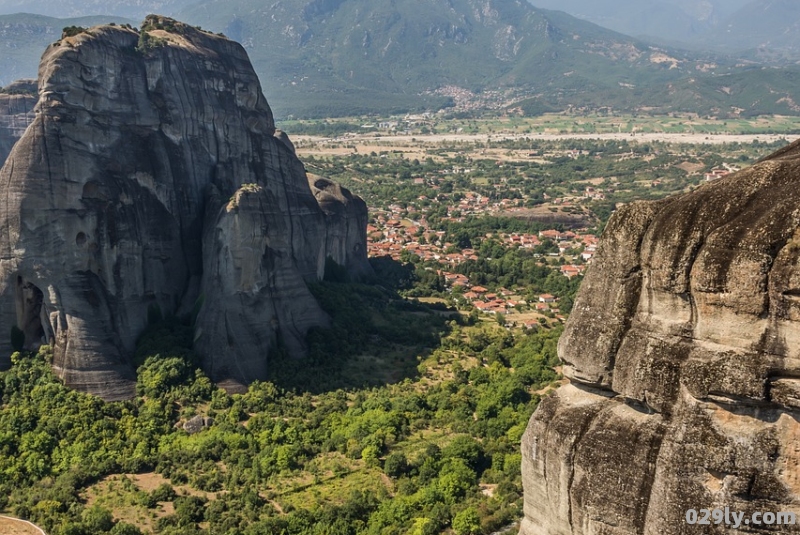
(152, 177)
(683, 351)
(197, 423)
(16, 113)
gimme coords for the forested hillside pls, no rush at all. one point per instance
(340, 444)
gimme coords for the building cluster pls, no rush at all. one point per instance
(499, 302)
(720, 171)
(395, 235)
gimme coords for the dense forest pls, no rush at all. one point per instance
(404, 419)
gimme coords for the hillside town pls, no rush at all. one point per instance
(505, 226)
(392, 233)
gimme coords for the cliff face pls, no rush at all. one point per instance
(16, 113)
(152, 177)
(683, 352)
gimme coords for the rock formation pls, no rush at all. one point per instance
(152, 178)
(196, 424)
(683, 351)
(16, 113)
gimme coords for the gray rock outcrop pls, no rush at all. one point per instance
(152, 177)
(17, 101)
(683, 351)
(196, 424)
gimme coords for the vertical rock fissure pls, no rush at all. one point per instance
(573, 449)
(29, 313)
(652, 463)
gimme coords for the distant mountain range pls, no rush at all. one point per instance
(766, 28)
(770, 28)
(136, 9)
(334, 57)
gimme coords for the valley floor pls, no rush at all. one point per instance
(649, 137)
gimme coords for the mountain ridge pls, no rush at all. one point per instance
(737, 27)
(351, 57)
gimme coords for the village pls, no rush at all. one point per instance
(507, 227)
(391, 233)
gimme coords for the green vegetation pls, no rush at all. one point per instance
(322, 447)
(71, 31)
(407, 414)
(527, 172)
(502, 124)
(375, 337)
(147, 42)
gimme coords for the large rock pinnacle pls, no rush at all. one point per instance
(152, 177)
(683, 351)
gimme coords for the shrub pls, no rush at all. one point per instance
(189, 509)
(395, 465)
(467, 522)
(71, 31)
(163, 493)
(147, 42)
(123, 528)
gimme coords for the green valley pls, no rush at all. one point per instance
(407, 415)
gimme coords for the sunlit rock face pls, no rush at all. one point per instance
(683, 352)
(152, 177)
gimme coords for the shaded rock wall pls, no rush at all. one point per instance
(684, 361)
(152, 177)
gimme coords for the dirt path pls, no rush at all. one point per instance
(14, 526)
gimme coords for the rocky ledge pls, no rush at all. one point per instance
(153, 178)
(683, 352)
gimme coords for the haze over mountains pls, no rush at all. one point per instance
(732, 26)
(136, 9)
(728, 25)
(338, 57)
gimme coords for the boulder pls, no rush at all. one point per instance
(197, 423)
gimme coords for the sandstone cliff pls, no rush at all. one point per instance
(683, 351)
(16, 113)
(152, 177)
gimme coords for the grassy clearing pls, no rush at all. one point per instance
(122, 494)
(11, 526)
(391, 365)
(330, 488)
